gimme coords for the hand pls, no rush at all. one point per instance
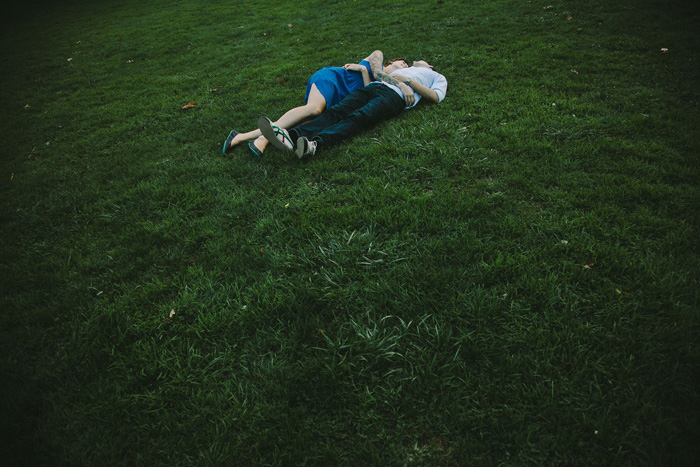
(353, 67)
(408, 95)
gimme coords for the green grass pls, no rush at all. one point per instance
(510, 277)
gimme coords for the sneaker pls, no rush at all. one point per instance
(279, 137)
(305, 147)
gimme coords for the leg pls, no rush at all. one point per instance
(335, 114)
(380, 103)
(315, 104)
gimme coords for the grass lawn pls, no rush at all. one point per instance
(510, 277)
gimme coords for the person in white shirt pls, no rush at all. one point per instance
(400, 90)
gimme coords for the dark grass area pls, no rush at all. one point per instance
(508, 277)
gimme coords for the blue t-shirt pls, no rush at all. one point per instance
(335, 82)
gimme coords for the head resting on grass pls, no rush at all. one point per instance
(395, 64)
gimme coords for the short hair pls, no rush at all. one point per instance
(396, 60)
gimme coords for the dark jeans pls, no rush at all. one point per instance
(359, 110)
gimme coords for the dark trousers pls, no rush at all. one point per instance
(359, 110)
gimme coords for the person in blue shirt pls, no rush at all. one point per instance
(325, 88)
(361, 109)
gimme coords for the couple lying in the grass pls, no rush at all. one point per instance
(342, 101)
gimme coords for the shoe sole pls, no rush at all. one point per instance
(265, 125)
(301, 147)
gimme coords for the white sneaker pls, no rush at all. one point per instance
(305, 147)
(279, 137)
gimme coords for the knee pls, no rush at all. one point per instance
(314, 110)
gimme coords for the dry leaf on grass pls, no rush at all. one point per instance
(188, 106)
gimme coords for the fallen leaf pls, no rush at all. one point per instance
(188, 106)
(588, 265)
(290, 25)
(26, 106)
(564, 242)
(47, 143)
(129, 61)
(620, 292)
(664, 50)
(310, 183)
(12, 176)
(569, 18)
(172, 313)
(574, 71)
(70, 59)
(262, 250)
(214, 90)
(286, 206)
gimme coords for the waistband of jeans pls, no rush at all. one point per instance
(384, 86)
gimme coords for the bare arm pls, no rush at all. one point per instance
(365, 76)
(376, 63)
(360, 69)
(388, 79)
(423, 91)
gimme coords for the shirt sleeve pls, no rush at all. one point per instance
(439, 86)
